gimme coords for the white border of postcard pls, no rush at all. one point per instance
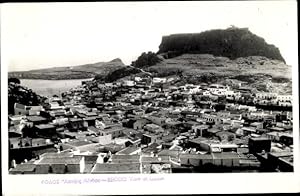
(147, 184)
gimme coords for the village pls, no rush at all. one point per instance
(152, 125)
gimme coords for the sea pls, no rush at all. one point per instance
(51, 87)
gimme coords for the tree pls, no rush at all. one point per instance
(14, 80)
(146, 60)
(120, 73)
(230, 138)
(19, 94)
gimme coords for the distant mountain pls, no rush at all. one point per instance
(232, 43)
(71, 72)
(223, 56)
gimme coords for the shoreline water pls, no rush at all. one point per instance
(55, 79)
(51, 87)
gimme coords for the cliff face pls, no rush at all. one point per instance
(217, 56)
(231, 43)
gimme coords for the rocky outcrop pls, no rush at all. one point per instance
(232, 43)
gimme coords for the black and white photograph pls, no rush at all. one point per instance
(108, 94)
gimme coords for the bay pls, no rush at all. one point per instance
(51, 87)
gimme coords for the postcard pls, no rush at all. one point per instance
(125, 98)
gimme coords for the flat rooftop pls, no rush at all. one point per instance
(199, 140)
(196, 156)
(125, 157)
(225, 155)
(112, 129)
(171, 153)
(92, 147)
(281, 154)
(155, 159)
(60, 160)
(128, 150)
(116, 168)
(25, 167)
(75, 119)
(57, 155)
(259, 139)
(45, 126)
(78, 143)
(35, 118)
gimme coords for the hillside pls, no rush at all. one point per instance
(229, 56)
(232, 43)
(22, 95)
(71, 72)
(226, 56)
(258, 72)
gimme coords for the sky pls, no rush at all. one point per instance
(43, 35)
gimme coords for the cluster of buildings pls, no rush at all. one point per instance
(152, 125)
